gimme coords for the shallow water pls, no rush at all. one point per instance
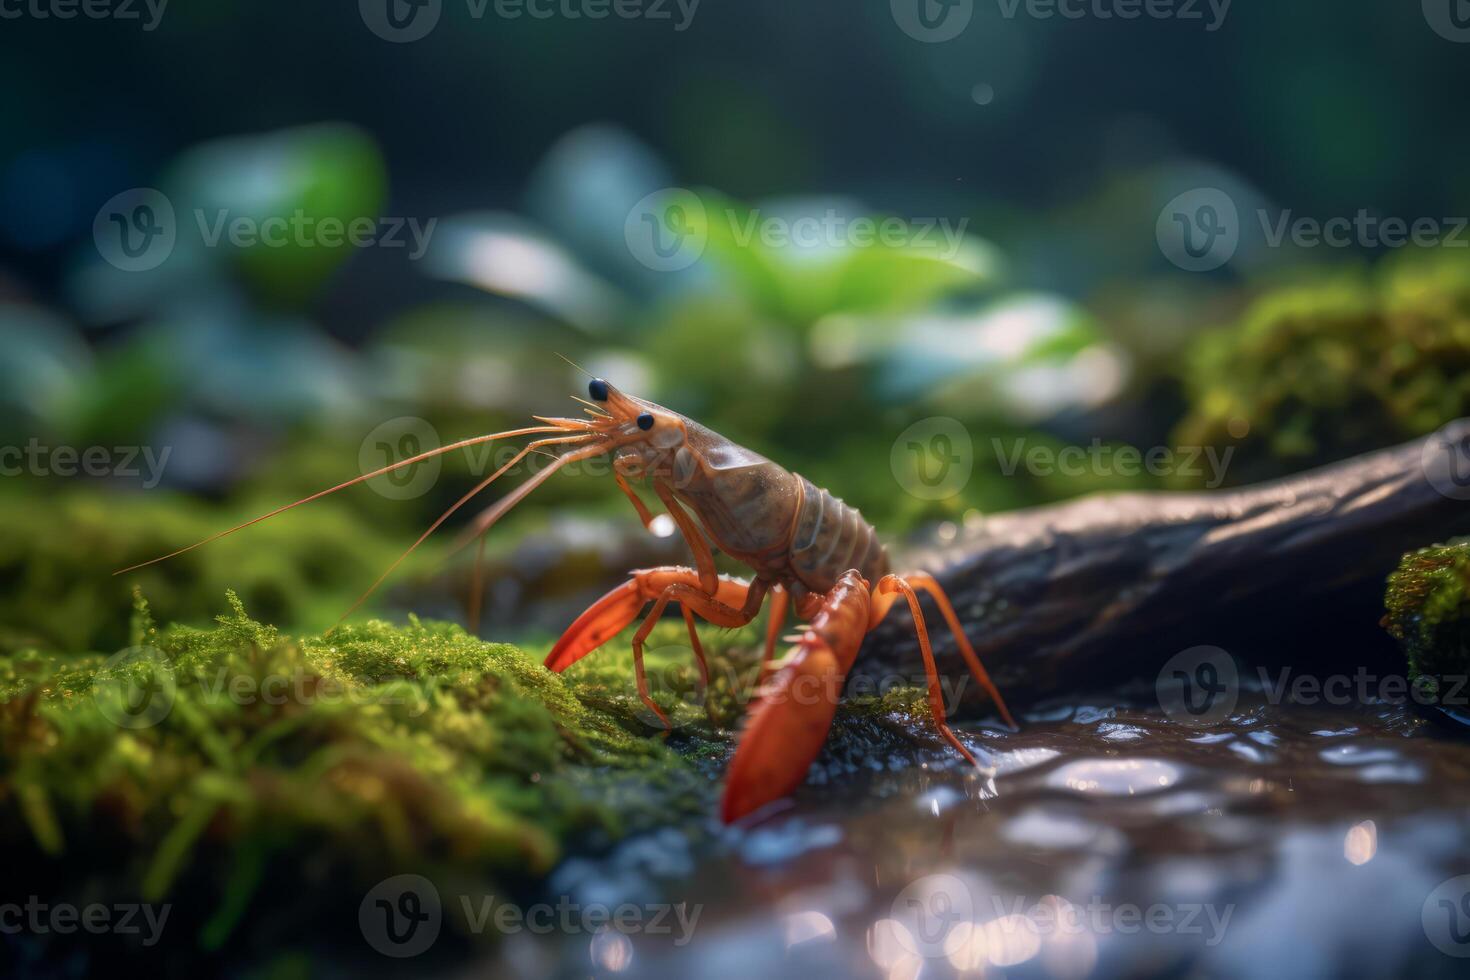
(1107, 840)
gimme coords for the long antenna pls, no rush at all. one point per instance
(574, 364)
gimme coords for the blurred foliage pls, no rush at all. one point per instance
(301, 188)
(1428, 603)
(1319, 372)
(795, 278)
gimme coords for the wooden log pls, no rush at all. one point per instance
(1107, 587)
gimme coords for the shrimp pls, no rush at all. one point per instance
(807, 551)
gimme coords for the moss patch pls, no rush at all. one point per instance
(261, 782)
(1428, 602)
(58, 552)
(181, 768)
(1318, 372)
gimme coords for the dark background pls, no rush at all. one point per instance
(1326, 107)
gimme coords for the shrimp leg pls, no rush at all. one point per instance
(693, 600)
(615, 611)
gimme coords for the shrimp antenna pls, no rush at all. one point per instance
(343, 486)
(592, 408)
(522, 491)
(574, 364)
(497, 510)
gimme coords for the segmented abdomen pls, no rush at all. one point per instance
(830, 538)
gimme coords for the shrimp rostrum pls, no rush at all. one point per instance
(808, 552)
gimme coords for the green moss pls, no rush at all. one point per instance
(230, 769)
(58, 553)
(1318, 372)
(370, 750)
(1428, 603)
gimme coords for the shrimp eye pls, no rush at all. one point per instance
(597, 388)
(645, 421)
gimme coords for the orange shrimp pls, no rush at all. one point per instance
(807, 550)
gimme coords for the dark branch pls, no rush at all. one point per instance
(1106, 587)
